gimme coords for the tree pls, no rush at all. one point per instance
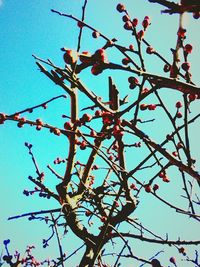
(127, 147)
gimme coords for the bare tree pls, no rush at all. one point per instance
(117, 157)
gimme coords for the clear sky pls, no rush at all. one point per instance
(29, 27)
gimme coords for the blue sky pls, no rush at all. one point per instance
(29, 27)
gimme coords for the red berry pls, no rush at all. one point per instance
(155, 187)
(161, 174)
(80, 24)
(125, 18)
(166, 179)
(185, 66)
(192, 97)
(145, 23)
(98, 113)
(135, 22)
(181, 32)
(16, 116)
(147, 17)
(133, 186)
(140, 34)
(125, 61)
(57, 132)
(121, 8)
(107, 121)
(100, 55)
(131, 47)
(178, 104)
(169, 137)
(188, 48)
(147, 188)
(116, 204)
(175, 153)
(128, 25)
(38, 127)
(133, 80)
(21, 122)
(93, 133)
(110, 157)
(95, 34)
(83, 145)
(149, 50)
(68, 125)
(103, 219)
(86, 117)
(39, 122)
(182, 250)
(152, 107)
(179, 115)
(143, 106)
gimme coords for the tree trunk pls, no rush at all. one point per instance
(89, 257)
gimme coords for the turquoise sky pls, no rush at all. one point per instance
(29, 27)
